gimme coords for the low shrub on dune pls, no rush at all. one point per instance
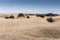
(28, 17)
(50, 19)
(51, 14)
(11, 16)
(6, 17)
(40, 15)
(20, 15)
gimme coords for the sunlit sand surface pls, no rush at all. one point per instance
(34, 28)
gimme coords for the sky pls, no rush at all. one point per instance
(30, 6)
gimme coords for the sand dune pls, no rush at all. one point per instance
(34, 28)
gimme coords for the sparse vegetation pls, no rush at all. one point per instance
(6, 17)
(33, 28)
(31, 14)
(20, 15)
(28, 17)
(40, 15)
(51, 14)
(50, 19)
(11, 16)
(37, 15)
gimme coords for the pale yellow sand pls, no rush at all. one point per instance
(34, 28)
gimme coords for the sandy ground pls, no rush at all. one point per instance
(34, 28)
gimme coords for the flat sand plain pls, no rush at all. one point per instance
(34, 28)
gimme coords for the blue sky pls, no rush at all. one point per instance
(30, 6)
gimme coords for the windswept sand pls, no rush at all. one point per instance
(34, 28)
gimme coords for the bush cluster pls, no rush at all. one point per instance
(50, 19)
(40, 15)
(12, 17)
(20, 15)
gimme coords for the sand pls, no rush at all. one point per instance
(34, 28)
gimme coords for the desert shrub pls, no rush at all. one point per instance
(11, 16)
(50, 14)
(28, 17)
(56, 14)
(20, 15)
(37, 15)
(50, 19)
(6, 17)
(40, 15)
(31, 14)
